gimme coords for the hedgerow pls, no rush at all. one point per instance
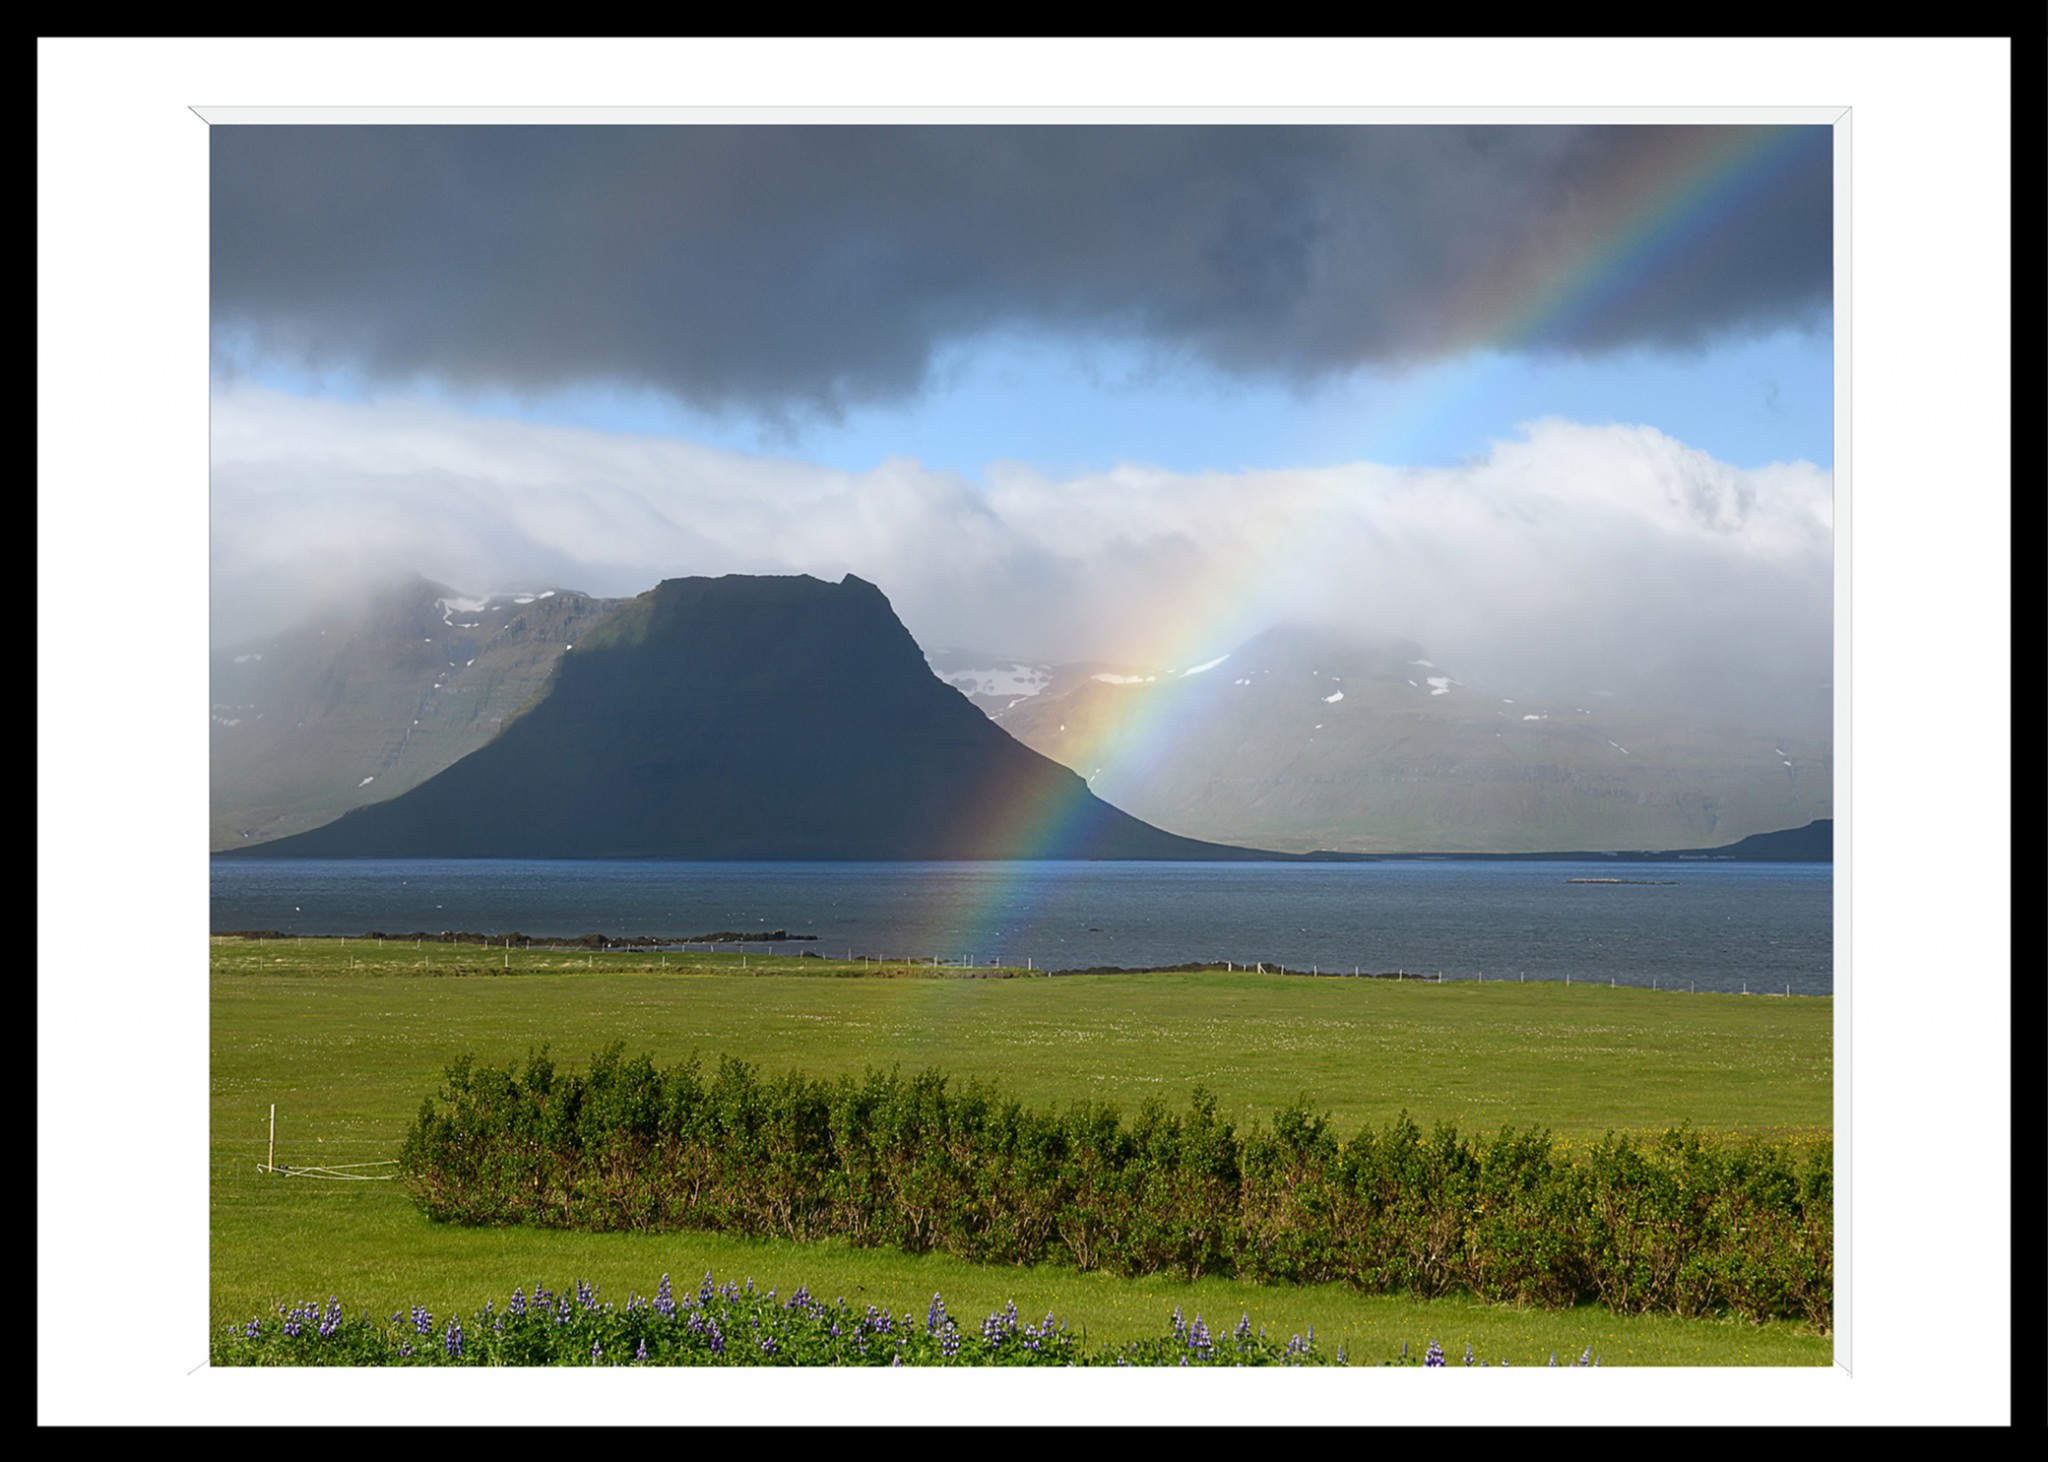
(1681, 1225)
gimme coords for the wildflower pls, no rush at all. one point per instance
(517, 1307)
(641, 1353)
(255, 1329)
(1434, 1356)
(1468, 1352)
(422, 1321)
(665, 1300)
(454, 1336)
(1243, 1332)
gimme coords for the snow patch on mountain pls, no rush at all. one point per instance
(1012, 679)
(1205, 665)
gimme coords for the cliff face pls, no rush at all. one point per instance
(746, 717)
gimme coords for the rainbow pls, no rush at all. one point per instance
(1661, 206)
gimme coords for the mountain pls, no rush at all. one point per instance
(363, 702)
(745, 717)
(1305, 739)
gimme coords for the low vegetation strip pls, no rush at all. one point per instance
(725, 1324)
(1678, 1225)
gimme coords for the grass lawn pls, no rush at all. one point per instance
(347, 1038)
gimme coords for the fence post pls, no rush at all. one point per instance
(271, 1165)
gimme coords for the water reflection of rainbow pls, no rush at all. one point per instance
(1669, 198)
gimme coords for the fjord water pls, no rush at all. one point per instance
(1704, 925)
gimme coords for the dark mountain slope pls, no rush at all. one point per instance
(747, 717)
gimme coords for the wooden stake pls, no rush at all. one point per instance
(271, 1166)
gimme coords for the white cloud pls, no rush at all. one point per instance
(1570, 550)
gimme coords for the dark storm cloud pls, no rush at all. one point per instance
(780, 268)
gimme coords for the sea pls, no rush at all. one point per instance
(1691, 925)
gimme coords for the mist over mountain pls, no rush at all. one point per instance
(374, 695)
(746, 717)
(1308, 738)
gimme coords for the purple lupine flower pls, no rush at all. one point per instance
(1468, 1352)
(704, 1290)
(331, 1321)
(1434, 1356)
(1585, 1357)
(665, 1300)
(596, 1352)
(641, 1353)
(1243, 1332)
(1180, 1326)
(1553, 1357)
(255, 1329)
(422, 1322)
(935, 1316)
(454, 1336)
(767, 1345)
(896, 1360)
(1198, 1339)
(717, 1338)
(949, 1340)
(517, 1307)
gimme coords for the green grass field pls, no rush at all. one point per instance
(347, 1037)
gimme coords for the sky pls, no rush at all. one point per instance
(1555, 402)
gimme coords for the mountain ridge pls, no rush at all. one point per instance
(748, 717)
